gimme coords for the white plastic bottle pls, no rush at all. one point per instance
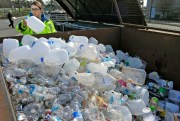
(35, 24)
(56, 57)
(8, 45)
(29, 40)
(71, 66)
(19, 53)
(38, 51)
(86, 79)
(93, 67)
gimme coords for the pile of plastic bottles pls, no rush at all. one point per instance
(83, 80)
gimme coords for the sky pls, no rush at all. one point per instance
(145, 2)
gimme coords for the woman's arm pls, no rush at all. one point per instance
(49, 27)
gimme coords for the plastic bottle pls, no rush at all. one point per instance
(76, 107)
(71, 66)
(56, 57)
(136, 106)
(93, 67)
(29, 40)
(173, 108)
(8, 45)
(148, 116)
(71, 48)
(111, 96)
(134, 62)
(174, 96)
(35, 24)
(56, 42)
(109, 49)
(89, 53)
(113, 56)
(85, 78)
(38, 51)
(79, 40)
(165, 83)
(136, 75)
(104, 82)
(126, 114)
(93, 40)
(153, 75)
(121, 55)
(67, 111)
(153, 104)
(112, 114)
(102, 48)
(19, 53)
(31, 111)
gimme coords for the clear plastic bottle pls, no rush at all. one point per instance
(34, 111)
(111, 114)
(153, 104)
(76, 107)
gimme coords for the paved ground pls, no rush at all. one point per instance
(5, 30)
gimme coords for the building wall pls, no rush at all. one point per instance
(163, 9)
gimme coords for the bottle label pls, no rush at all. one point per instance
(76, 114)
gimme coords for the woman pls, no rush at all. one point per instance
(37, 11)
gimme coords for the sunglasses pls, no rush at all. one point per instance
(35, 9)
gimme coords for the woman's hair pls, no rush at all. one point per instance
(38, 4)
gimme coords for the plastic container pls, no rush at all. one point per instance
(137, 75)
(174, 96)
(56, 42)
(8, 45)
(136, 106)
(79, 40)
(134, 62)
(35, 24)
(93, 67)
(102, 48)
(153, 75)
(89, 53)
(169, 116)
(86, 79)
(56, 57)
(127, 116)
(142, 94)
(71, 66)
(173, 108)
(19, 53)
(153, 104)
(38, 51)
(104, 82)
(93, 40)
(29, 40)
(148, 116)
(71, 48)
(165, 83)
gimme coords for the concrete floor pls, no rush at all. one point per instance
(6, 31)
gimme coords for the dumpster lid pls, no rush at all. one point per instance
(91, 10)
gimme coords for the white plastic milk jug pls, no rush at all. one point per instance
(35, 24)
(8, 45)
(29, 40)
(71, 66)
(56, 57)
(19, 53)
(38, 51)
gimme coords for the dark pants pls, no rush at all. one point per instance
(11, 23)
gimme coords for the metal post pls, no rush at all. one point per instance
(118, 12)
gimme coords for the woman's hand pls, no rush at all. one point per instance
(24, 23)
